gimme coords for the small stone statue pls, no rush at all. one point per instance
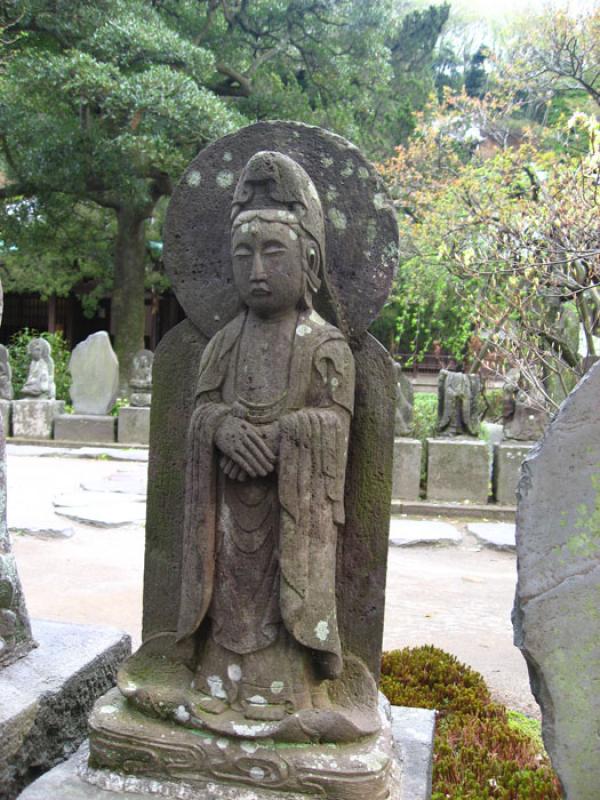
(525, 417)
(404, 404)
(40, 380)
(140, 383)
(458, 404)
(6, 387)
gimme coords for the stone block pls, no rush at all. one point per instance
(34, 419)
(412, 731)
(406, 477)
(5, 411)
(508, 458)
(85, 428)
(134, 425)
(458, 470)
(47, 695)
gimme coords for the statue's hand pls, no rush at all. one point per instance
(233, 470)
(240, 441)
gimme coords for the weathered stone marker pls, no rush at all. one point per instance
(557, 607)
(6, 389)
(94, 369)
(407, 452)
(134, 420)
(33, 416)
(269, 483)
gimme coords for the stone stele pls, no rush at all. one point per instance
(269, 483)
(15, 629)
(94, 369)
(140, 381)
(557, 606)
(405, 398)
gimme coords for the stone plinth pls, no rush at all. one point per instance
(34, 419)
(508, 458)
(406, 476)
(5, 411)
(85, 428)
(134, 425)
(412, 730)
(458, 470)
(47, 695)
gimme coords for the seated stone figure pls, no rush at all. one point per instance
(40, 379)
(6, 387)
(458, 404)
(140, 383)
(524, 415)
(267, 449)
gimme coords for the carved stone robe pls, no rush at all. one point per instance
(314, 419)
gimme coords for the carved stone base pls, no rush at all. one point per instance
(508, 458)
(34, 419)
(458, 470)
(406, 477)
(85, 428)
(123, 740)
(134, 425)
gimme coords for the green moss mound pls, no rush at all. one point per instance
(478, 753)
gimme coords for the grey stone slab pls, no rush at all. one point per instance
(499, 535)
(406, 477)
(47, 695)
(102, 453)
(410, 532)
(458, 470)
(556, 617)
(94, 369)
(134, 425)
(120, 482)
(105, 516)
(508, 458)
(34, 419)
(413, 730)
(41, 529)
(85, 428)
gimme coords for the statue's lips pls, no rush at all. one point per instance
(260, 291)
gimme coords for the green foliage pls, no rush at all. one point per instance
(19, 360)
(479, 754)
(424, 415)
(493, 405)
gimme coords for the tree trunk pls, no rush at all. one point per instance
(127, 309)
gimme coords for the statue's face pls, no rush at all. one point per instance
(35, 350)
(267, 266)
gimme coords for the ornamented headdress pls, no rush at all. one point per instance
(274, 188)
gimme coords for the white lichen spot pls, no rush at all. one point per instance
(379, 201)
(314, 317)
(326, 161)
(277, 687)
(215, 685)
(258, 700)
(129, 689)
(257, 773)
(234, 671)
(293, 234)
(322, 630)
(181, 715)
(348, 169)
(249, 747)
(331, 194)
(194, 178)
(303, 330)
(225, 179)
(250, 730)
(334, 383)
(281, 213)
(222, 744)
(245, 227)
(227, 156)
(109, 710)
(338, 219)
(363, 172)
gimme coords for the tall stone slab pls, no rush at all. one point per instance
(16, 639)
(557, 607)
(311, 200)
(94, 369)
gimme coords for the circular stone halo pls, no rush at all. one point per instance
(361, 230)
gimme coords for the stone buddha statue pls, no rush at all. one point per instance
(267, 451)
(40, 379)
(140, 382)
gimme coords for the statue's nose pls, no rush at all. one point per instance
(258, 273)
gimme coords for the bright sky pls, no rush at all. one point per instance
(496, 9)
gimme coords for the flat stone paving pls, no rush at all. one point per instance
(457, 597)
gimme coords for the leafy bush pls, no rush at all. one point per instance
(479, 753)
(424, 415)
(19, 360)
(493, 403)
